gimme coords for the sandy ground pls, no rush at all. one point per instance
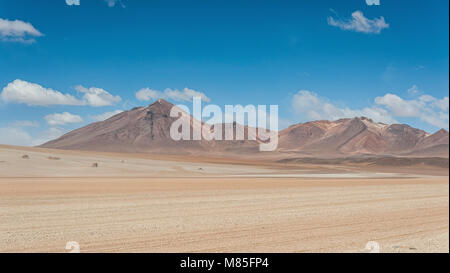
(138, 204)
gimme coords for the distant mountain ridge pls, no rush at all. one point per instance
(358, 136)
(147, 130)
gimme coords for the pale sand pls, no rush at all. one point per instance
(151, 205)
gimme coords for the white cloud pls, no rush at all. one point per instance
(360, 23)
(398, 106)
(73, 2)
(414, 90)
(20, 137)
(25, 92)
(147, 94)
(186, 94)
(14, 136)
(443, 104)
(26, 123)
(112, 3)
(430, 101)
(20, 91)
(373, 2)
(62, 118)
(106, 115)
(427, 108)
(316, 108)
(97, 96)
(47, 135)
(386, 108)
(17, 31)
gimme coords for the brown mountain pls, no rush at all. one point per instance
(147, 130)
(142, 129)
(360, 136)
(436, 144)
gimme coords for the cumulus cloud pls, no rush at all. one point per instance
(15, 136)
(427, 108)
(73, 2)
(112, 3)
(62, 118)
(20, 137)
(17, 31)
(398, 106)
(147, 94)
(386, 109)
(442, 104)
(414, 90)
(26, 123)
(360, 23)
(106, 115)
(97, 97)
(28, 93)
(185, 95)
(20, 91)
(373, 2)
(47, 135)
(316, 108)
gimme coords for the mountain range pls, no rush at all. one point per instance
(147, 130)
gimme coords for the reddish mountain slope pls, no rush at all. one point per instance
(359, 136)
(142, 129)
(436, 144)
(147, 129)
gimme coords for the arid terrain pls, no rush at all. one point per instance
(114, 202)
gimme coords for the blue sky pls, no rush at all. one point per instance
(315, 59)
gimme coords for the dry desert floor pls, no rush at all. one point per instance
(149, 203)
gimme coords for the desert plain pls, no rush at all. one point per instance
(124, 202)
